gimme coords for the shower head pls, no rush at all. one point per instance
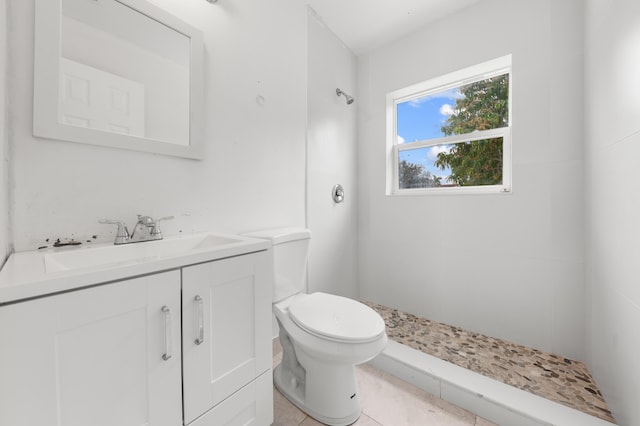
(346, 96)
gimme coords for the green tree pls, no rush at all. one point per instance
(483, 106)
(415, 176)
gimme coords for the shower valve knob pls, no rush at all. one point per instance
(338, 194)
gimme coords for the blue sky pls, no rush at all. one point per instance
(422, 119)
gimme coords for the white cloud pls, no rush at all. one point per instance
(451, 94)
(400, 140)
(415, 103)
(433, 152)
(446, 109)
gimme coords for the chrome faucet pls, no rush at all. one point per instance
(146, 229)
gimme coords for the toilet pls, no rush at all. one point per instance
(323, 336)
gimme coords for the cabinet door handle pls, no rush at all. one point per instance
(200, 302)
(167, 333)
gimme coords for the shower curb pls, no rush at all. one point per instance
(483, 396)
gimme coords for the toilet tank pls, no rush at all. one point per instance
(290, 251)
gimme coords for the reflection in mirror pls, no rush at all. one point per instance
(135, 83)
(118, 73)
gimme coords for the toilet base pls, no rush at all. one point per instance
(328, 396)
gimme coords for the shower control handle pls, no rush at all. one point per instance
(338, 194)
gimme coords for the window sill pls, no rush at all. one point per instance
(470, 190)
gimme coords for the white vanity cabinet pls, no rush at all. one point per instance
(189, 346)
(107, 355)
(226, 342)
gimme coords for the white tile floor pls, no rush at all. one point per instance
(386, 401)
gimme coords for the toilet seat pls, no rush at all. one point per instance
(337, 318)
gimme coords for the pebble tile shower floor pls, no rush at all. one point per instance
(544, 374)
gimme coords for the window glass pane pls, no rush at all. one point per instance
(475, 163)
(417, 168)
(482, 105)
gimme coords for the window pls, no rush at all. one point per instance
(452, 133)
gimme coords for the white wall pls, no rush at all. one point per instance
(612, 119)
(252, 175)
(331, 159)
(4, 164)
(507, 265)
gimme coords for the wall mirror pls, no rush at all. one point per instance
(118, 73)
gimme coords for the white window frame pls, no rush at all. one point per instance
(459, 78)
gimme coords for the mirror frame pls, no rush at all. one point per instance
(46, 85)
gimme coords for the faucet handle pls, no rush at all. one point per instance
(146, 220)
(156, 231)
(122, 234)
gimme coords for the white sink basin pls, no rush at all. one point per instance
(111, 255)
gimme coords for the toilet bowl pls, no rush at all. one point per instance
(323, 336)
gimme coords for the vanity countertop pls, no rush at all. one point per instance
(43, 272)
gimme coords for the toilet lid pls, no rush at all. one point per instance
(337, 318)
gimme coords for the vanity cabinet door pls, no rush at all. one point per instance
(94, 356)
(226, 330)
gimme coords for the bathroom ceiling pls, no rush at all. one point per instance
(364, 25)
